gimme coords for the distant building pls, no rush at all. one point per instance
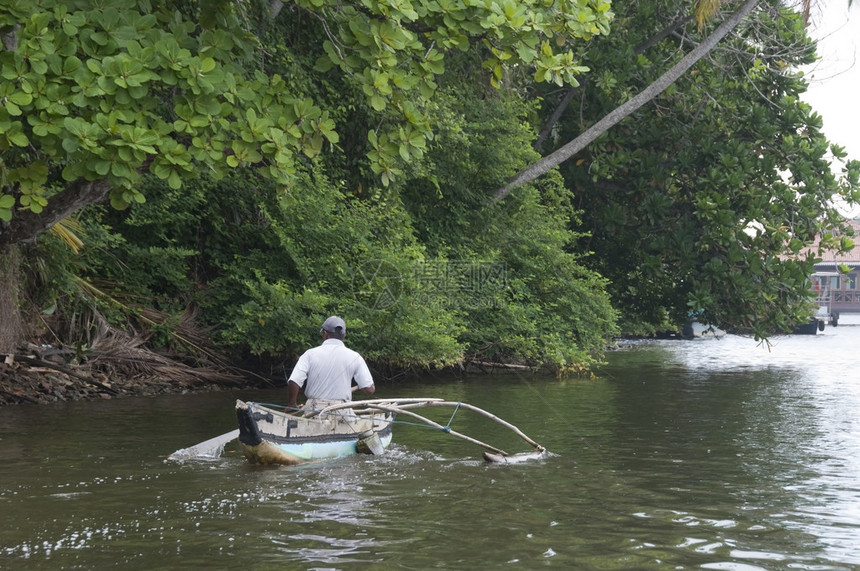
(842, 290)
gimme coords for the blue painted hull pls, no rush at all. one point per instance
(310, 451)
(269, 436)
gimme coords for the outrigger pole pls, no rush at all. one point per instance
(403, 406)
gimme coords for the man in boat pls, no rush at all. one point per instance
(327, 371)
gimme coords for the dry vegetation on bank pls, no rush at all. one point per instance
(117, 365)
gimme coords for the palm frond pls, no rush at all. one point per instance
(68, 230)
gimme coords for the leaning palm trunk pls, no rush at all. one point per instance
(571, 92)
(551, 161)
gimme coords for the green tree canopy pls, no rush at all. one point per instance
(96, 93)
(703, 201)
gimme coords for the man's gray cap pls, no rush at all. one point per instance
(334, 324)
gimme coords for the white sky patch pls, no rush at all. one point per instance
(834, 81)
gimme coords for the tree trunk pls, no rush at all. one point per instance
(571, 91)
(554, 159)
(9, 37)
(26, 225)
(12, 329)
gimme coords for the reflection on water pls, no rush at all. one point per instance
(708, 454)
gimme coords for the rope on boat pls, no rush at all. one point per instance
(450, 420)
(269, 405)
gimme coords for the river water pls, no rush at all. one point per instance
(710, 454)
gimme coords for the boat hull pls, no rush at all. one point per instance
(811, 327)
(269, 436)
(696, 330)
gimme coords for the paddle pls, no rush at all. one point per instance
(209, 448)
(371, 444)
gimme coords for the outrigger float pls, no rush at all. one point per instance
(268, 435)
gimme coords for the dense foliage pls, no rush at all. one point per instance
(426, 279)
(701, 204)
(280, 162)
(105, 98)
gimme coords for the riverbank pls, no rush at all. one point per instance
(37, 378)
(43, 374)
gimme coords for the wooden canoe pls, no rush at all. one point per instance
(271, 436)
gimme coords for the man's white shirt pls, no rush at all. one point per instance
(330, 369)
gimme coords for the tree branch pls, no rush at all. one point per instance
(26, 225)
(554, 159)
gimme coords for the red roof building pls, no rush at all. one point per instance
(830, 282)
